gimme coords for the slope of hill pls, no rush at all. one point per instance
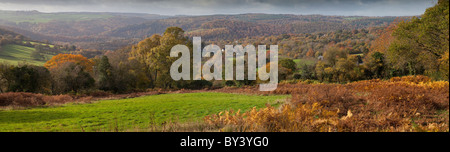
(15, 49)
(15, 54)
(115, 30)
(248, 25)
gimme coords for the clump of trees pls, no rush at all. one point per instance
(139, 67)
(24, 78)
(416, 47)
(419, 46)
(9, 37)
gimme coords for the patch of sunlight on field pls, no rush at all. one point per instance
(14, 54)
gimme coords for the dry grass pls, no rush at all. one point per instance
(22, 99)
(397, 105)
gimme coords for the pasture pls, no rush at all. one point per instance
(130, 114)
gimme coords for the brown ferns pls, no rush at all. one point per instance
(412, 103)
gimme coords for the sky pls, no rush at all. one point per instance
(209, 7)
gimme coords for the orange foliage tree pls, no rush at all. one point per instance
(382, 43)
(63, 58)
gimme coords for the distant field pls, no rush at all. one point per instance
(304, 61)
(15, 54)
(129, 114)
(301, 62)
(353, 18)
(33, 43)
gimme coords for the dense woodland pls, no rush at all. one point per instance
(105, 31)
(341, 50)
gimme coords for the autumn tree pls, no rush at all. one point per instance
(385, 38)
(348, 69)
(320, 71)
(422, 41)
(310, 53)
(375, 63)
(70, 77)
(154, 53)
(60, 59)
(332, 54)
(132, 72)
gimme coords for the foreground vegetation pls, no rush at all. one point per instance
(401, 104)
(346, 80)
(135, 114)
(404, 104)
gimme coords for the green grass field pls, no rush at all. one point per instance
(33, 43)
(14, 54)
(304, 61)
(126, 114)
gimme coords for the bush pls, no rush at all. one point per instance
(229, 83)
(199, 84)
(25, 78)
(22, 99)
(70, 77)
(412, 79)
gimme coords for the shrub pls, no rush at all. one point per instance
(413, 103)
(22, 99)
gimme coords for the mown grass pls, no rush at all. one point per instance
(14, 54)
(129, 114)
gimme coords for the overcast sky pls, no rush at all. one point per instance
(207, 7)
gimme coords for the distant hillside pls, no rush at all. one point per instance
(15, 48)
(110, 31)
(249, 25)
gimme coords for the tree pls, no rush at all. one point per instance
(61, 59)
(69, 76)
(289, 64)
(332, 54)
(104, 72)
(376, 64)
(142, 52)
(154, 54)
(4, 71)
(310, 53)
(385, 38)
(422, 41)
(320, 71)
(348, 69)
(132, 72)
(308, 71)
(25, 78)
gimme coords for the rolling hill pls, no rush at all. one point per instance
(15, 54)
(15, 49)
(110, 31)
